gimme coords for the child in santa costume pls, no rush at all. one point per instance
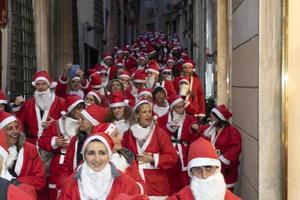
(204, 168)
(97, 178)
(24, 164)
(227, 141)
(57, 136)
(153, 150)
(11, 189)
(183, 130)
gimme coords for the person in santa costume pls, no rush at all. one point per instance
(192, 90)
(41, 110)
(145, 93)
(160, 103)
(119, 112)
(153, 78)
(183, 130)
(97, 178)
(95, 98)
(125, 79)
(78, 84)
(227, 141)
(122, 157)
(152, 148)
(115, 85)
(89, 117)
(204, 169)
(56, 137)
(24, 164)
(11, 190)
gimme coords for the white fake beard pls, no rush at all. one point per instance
(150, 81)
(183, 89)
(160, 111)
(43, 99)
(104, 81)
(13, 155)
(78, 93)
(211, 188)
(140, 133)
(71, 127)
(210, 130)
(119, 161)
(95, 185)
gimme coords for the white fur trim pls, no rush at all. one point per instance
(86, 85)
(16, 109)
(141, 188)
(117, 104)
(198, 162)
(72, 106)
(3, 153)
(76, 78)
(145, 93)
(95, 95)
(96, 86)
(107, 57)
(7, 121)
(230, 185)
(110, 129)
(62, 81)
(158, 197)
(183, 80)
(124, 76)
(2, 101)
(53, 141)
(218, 113)
(187, 63)
(156, 159)
(139, 81)
(41, 78)
(51, 186)
(187, 103)
(20, 161)
(101, 139)
(224, 160)
(175, 102)
(89, 117)
(140, 103)
(152, 70)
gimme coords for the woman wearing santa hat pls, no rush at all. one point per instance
(97, 178)
(24, 164)
(119, 112)
(227, 141)
(161, 105)
(204, 169)
(95, 98)
(152, 148)
(56, 137)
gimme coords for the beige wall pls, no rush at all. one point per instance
(293, 99)
(244, 91)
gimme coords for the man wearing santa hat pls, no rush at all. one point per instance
(39, 111)
(92, 116)
(207, 182)
(77, 86)
(11, 190)
(56, 137)
(227, 141)
(183, 129)
(24, 164)
(160, 103)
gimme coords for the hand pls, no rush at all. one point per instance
(145, 158)
(195, 127)
(80, 73)
(68, 67)
(61, 142)
(19, 100)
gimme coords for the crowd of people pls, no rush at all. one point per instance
(129, 129)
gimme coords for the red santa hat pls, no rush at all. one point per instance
(168, 69)
(202, 153)
(139, 77)
(118, 99)
(188, 62)
(71, 102)
(139, 103)
(142, 56)
(173, 100)
(102, 137)
(144, 91)
(92, 71)
(107, 128)
(102, 70)
(222, 112)
(95, 81)
(3, 99)
(170, 59)
(107, 55)
(124, 74)
(97, 95)
(41, 76)
(153, 67)
(4, 153)
(184, 80)
(158, 88)
(92, 114)
(6, 118)
(119, 63)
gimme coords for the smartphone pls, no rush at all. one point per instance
(73, 71)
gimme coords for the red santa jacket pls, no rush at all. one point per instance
(10, 191)
(186, 193)
(228, 146)
(29, 114)
(121, 184)
(29, 167)
(159, 144)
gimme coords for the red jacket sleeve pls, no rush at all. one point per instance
(235, 141)
(46, 138)
(62, 87)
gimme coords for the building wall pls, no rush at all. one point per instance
(244, 91)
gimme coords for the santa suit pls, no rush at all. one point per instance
(29, 114)
(186, 194)
(168, 85)
(121, 184)
(181, 139)
(47, 143)
(62, 87)
(159, 144)
(10, 191)
(228, 146)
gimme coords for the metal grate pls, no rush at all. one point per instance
(23, 58)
